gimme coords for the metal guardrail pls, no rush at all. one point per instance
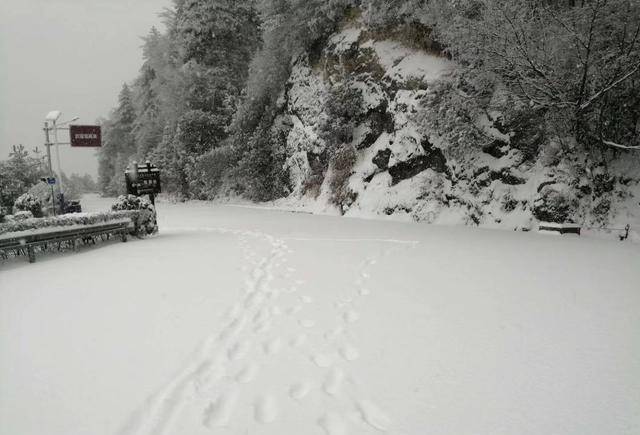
(27, 243)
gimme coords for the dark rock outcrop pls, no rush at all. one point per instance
(433, 159)
(381, 160)
(497, 149)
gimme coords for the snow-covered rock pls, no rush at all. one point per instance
(405, 170)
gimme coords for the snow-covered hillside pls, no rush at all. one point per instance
(404, 169)
(237, 320)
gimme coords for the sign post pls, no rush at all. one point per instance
(85, 136)
(143, 180)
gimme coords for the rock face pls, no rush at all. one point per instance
(402, 169)
(406, 169)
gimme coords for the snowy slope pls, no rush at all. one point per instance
(236, 320)
(408, 171)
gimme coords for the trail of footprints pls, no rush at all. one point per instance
(223, 357)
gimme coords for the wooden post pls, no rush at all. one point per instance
(31, 253)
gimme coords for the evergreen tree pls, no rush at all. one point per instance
(118, 145)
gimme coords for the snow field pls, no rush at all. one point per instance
(237, 320)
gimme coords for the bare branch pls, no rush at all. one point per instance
(617, 145)
(603, 91)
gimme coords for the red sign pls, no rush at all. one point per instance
(85, 135)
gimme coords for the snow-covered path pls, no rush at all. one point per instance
(245, 321)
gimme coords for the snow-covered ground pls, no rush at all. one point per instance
(237, 320)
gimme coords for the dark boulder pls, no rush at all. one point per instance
(379, 121)
(381, 160)
(497, 149)
(434, 159)
(508, 178)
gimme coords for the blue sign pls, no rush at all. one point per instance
(51, 181)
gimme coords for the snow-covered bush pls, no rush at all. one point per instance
(343, 106)
(29, 202)
(555, 205)
(342, 168)
(24, 221)
(22, 216)
(138, 210)
(216, 166)
(145, 218)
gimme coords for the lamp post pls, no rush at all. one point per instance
(52, 117)
(55, 138)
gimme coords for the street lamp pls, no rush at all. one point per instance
(69, 121)
(53, 117)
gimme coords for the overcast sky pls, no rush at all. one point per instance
(68, 55)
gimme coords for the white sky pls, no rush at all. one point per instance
(68, 55)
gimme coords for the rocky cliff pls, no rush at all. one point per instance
(358, 144)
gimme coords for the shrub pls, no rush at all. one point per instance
(343, 108)
(509, 203)
(22, 216)
(30, 203)
(554, 205)
(312, 186)
(145, 221)
(343, 161)
(215, 166)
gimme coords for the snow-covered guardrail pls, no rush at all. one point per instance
(26, 237)
(27, 242)
(565, 228)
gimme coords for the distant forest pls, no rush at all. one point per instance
(204, 105)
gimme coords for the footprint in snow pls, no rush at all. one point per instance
(299, 390)
(298, 340)
(333, 382)
(333, 424)
(233, 327)
(265, 409)
(322, 360)
(373, 415)
(254, 299)
(351, 316)
(294, 310)
(307, 323)
(239, 350)
(273, 294)
(272, 346)
(261, 316)
(262, 327)
(220, 411)
(207, 375)
(234, 311)
(349, 353)
(248, 373)
(334, 333)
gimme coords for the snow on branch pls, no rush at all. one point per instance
(617, 145)
(608, 88)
